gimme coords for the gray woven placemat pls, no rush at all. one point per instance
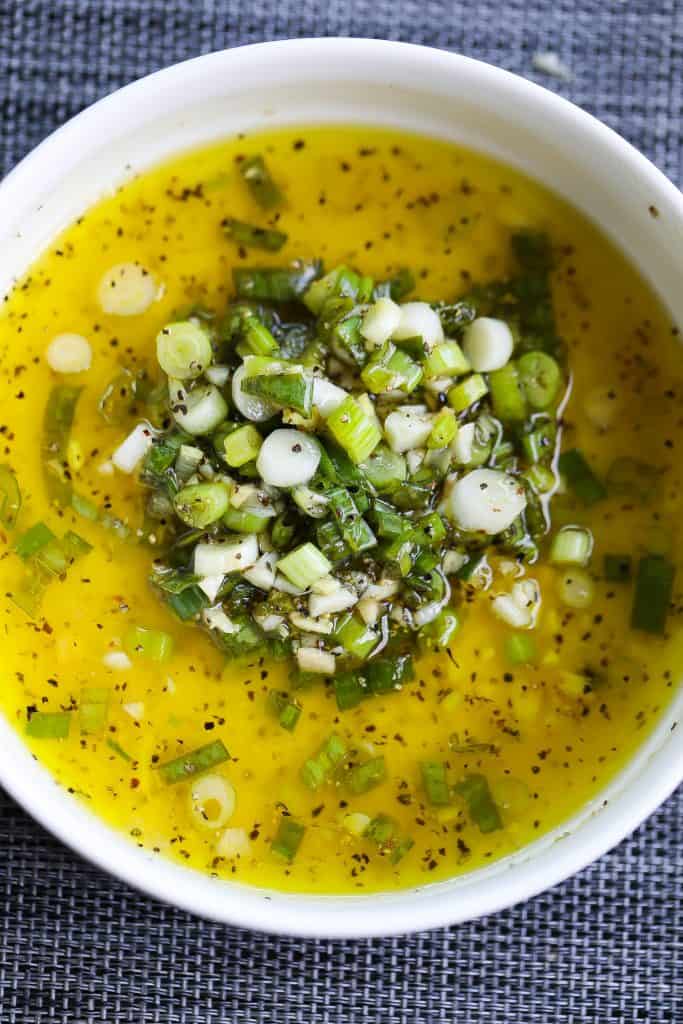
(606, 946)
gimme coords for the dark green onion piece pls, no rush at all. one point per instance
(350, 690)
(539, 443)
(382, 675)
(317, 770)
(275, 284)
(364, 777)
(49, 725)
(617, 568)
(288, 838)
(285, 710)
(200, 760)
(385, 833)
(654, 588)
(173, 581)
(251, 235)
(187, 603)
(57, 423)
(260, 183)
(10, 497)
(435, 782)
(580, 477)
(396, 288)
(482, 809)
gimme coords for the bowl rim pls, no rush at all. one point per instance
(306, 915)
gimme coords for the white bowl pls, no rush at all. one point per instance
(377, 83)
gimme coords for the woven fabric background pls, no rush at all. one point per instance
(607, 946)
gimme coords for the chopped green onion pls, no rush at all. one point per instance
(469, 391)
(188, 603)
(580, 477)
(541, 479)
(352, 526)
(149, 643)
(10, 497)
(118, 749)
(288, 838)
(509, 403)
(274, 284)
(572, 545)
(383, 675)
(199, 505)
(75, 546)
(520, 649)
(57, 423)
(354, 430)
(438, 634)
(195, 761)
(340, 283)
(355, 637)
(251, 235)
(243, 444)
(652, 598)
(118, 398)
(617, 568)
(391, 369)
(317, 769)
(289, 390)
(446, 360)
(539, 443)
(364, 777)
(35, 538)
(256, 338)
(28, 595)
(444, 429)
(540, 378)
(49, 725)
(52, 558)
(350, 690)
(435, 782)
(251, 519)
(482, 809)
(285, 710)
(304, 565)
(93, 709)
(386, 834)
(184, 350)
(263, 189)
(386, 470)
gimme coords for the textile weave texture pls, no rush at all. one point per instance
(607, 946)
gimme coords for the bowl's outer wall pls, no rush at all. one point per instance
(374, 83)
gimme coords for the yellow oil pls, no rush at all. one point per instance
(379, 201)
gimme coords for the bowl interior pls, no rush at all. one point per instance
(385, 84)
